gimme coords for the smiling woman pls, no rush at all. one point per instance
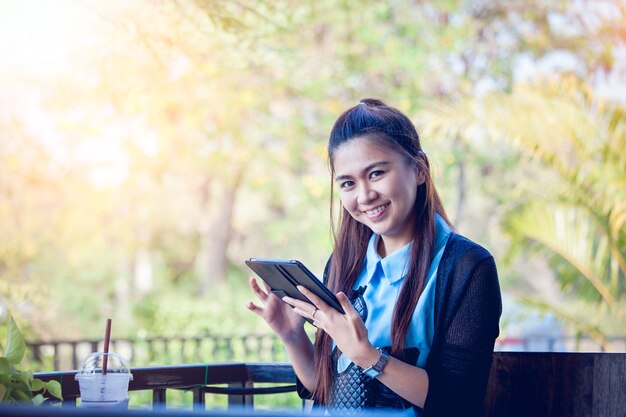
(422, 304)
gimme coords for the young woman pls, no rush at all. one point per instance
(422, 303)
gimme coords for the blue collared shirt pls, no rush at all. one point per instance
(384, 278)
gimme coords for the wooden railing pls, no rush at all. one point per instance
(200, 379)
(145, 351)
(150, 351)
(520, 384)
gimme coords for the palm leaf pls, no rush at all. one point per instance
(573, 235)
(576, 208)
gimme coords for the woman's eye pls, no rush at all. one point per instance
(375, 174)
(346, 184)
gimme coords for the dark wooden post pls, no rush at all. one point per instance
(198, 400)
(55, 350)
(74, 346)
(241, 401)
(159, 397)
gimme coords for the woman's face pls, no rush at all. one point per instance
(378, 187)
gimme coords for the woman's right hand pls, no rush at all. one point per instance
(279, 315)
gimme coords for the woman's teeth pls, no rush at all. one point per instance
(376, 210)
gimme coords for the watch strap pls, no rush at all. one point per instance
(376, 369)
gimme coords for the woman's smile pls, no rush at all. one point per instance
(377, 212)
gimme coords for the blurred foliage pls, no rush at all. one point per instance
(578, 216)
(147, 148)
(570, 204)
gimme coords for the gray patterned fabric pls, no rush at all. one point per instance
(353, 391)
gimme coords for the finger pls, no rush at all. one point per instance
(304, 309)
(347, 306)
(315, 300)
(306, 313)
(262, 295)
(289, 300)
(302, 305)
(254, 284)
(254, 308)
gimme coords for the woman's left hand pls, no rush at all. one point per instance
(347, 330)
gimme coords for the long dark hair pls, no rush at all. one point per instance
(388, 127)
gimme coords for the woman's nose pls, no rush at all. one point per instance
(366, 195)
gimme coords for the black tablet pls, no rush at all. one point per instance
(283, 276)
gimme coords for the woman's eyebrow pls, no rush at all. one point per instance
(367, 168)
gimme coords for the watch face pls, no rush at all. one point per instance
(375, 370)
(371, 372)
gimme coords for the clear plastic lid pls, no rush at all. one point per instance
(94, 363)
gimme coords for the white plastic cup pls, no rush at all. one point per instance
(100, 390)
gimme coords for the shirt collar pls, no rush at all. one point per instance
(395, 265)
(442, 231)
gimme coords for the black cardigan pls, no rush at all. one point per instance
(467, 313)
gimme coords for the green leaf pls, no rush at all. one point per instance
(25, 381)
(5, 368)
(38, 399)
(27, 377)
(21, 396)
(54, 388)
(20, 383)
(573, 234)
(37, 385)
(15, 347)
(3, 391)
(8, 396)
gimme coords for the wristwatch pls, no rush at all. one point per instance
(375, 370)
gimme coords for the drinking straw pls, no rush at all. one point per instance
(107, 338)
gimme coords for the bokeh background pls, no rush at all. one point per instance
(148, 147)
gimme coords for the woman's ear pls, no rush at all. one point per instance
(421, 167)
(420, 176)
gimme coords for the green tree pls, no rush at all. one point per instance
(185, 136)
(578, 216)
(568, 200)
